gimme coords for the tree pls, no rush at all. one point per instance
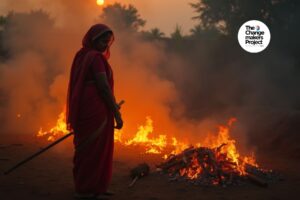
(199, 32)
(177, 34)
(122, 17)
(153, 34)
(156, 33)
(233, 13)
(3, 50)
(18, 32)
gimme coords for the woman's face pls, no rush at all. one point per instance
(104, 42)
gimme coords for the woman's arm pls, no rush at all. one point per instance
(105, 91)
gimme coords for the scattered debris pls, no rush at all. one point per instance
(139, 172)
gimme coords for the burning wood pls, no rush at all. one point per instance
(216, 163)
(210, 166)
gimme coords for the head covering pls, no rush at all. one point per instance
(83, 59)
(93, 33)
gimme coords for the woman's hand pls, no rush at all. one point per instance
(119, 120)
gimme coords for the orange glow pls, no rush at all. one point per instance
(100, 2)
(153, 145)
(59, 129)
(220, 145)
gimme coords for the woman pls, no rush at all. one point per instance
(92, 110)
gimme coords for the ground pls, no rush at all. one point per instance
(50, 176)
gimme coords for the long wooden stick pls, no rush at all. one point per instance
(45, 149)
(37, 153)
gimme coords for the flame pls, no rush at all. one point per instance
(153, 145)
(220, 145)
(118, 136)
(59, 129)
(100, 2)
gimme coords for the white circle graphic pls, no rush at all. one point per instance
(254, 36)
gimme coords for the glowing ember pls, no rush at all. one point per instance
(100, 2)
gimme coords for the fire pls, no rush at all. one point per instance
(220, 146)
(153, 145)
(100, 2)
(59, 129)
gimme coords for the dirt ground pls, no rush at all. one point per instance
(50, 176)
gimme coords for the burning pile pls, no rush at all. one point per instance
(215, 161)
(212, 166)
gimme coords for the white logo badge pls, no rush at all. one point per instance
(254, 36)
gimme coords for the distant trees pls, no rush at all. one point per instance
(123, 17)
(157, 33)
(17, 28)
(226, 16)
(199, 32)
(3, 50)
(177, 34)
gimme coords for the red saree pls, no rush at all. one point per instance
(86, 112)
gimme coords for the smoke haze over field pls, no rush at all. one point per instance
(38, 72)
(185, 94)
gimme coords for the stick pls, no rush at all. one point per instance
(133, 181)
(37, 153)
(43, 150)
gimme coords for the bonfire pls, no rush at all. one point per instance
(218, 162)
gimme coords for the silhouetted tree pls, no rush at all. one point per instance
(153, 34)
(21, 26)
(198, 32)
(122, 17)
(3, 50)
(157, 33)
(177, 34)
(226, 16)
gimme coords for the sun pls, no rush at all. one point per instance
(100, 2)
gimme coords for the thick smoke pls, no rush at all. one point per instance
(186, 94)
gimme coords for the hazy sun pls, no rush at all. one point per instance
(100, 2)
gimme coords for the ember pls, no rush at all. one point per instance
(209, 166)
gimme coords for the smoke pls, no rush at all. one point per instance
(35, 77)
(186, 93)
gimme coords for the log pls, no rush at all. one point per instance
(257, 180)
(177, 159)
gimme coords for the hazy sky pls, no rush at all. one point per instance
(164, 14)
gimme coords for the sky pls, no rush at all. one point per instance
(163, 14)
